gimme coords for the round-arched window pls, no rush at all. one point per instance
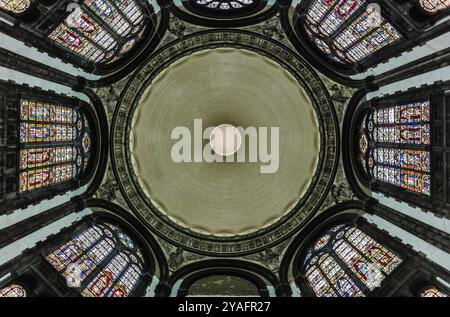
(13, 290)
(15, 6)
(432, 291)
(433, 6)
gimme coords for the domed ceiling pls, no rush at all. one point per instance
(224, 77)
(224, 86)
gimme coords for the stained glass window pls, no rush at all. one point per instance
(432, 292)
(15, 6)
(393, 146)
(126, 282)
(37, 157)
(224, 5)
(13, 290)
(403, 158)
(348, 31)
(38, 178)
(95, 30)
(38, 132)
(345, 262)
(55, 144)
(44, 112)
(101, 285)
(404, 114)
(433, 6)
(63, 35)
(107, 261)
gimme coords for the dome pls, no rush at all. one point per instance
(248, 87)
(224, 148)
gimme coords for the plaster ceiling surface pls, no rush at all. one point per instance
(224, 86)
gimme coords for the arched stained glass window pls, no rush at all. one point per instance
(101, 30)
(345, 262)
(393, 146)
(348, 31)
(55, 144)
(433, 6)
(119, 271)
(432, 292)
(13, 290)
(103, 261)
(15, 6)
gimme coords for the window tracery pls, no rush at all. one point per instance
(346, 262)
(101, 30)
(433, 6)
(432, 292)
(13, 290)
(109, 262)
(55, 144)
(15, 6)
(224, 5)
(393, 145)
(348, 31)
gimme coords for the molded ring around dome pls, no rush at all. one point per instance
(152, 213)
